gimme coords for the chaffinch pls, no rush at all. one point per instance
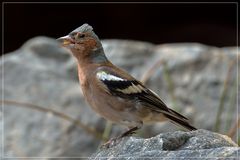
(112, 92)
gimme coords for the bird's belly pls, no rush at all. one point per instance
(114, 109)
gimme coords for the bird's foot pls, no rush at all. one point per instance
(115, 141)
(112, 142)
(129, 132)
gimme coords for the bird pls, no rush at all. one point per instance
(110, 91)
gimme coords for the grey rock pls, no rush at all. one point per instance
(44, 74)
(200, 144)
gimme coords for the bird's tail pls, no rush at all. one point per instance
(178, 119)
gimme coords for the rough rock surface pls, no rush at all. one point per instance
(200, 144)
(44, 74)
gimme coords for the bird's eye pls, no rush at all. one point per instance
(81, 35)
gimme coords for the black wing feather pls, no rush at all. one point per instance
(146, 96)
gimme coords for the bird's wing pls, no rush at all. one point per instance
(134, 90)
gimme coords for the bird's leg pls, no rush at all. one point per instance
(113, 141)
(129, 132)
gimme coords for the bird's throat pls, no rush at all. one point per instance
(88, 63)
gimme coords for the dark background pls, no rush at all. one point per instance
(211, 24)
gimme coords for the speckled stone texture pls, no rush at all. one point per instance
(200, 144)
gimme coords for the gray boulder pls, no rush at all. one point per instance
(200, 144)
(44, 74)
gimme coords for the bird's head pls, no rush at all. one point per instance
(82, 42)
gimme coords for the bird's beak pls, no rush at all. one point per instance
(66, 40)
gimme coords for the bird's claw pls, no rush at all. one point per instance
(110, 143)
